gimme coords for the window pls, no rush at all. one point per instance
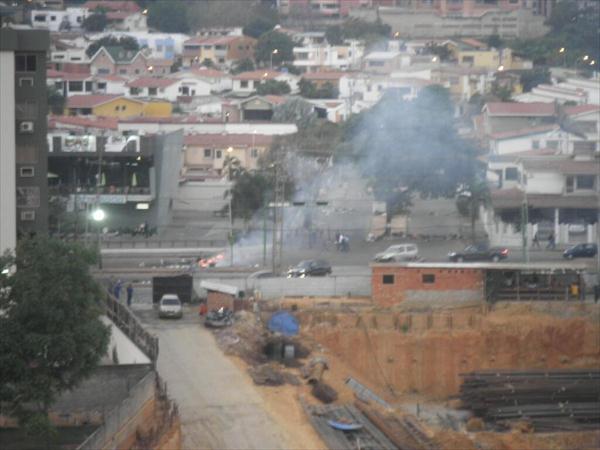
(552, 144)
(26, 171)
(101, 86)
(25, 82)
(134, 91)
(511, 174)
(28, 216)
(103, 71)
(468, 59)
(25, 62)
(152, 91)
(123, 71)
(26, 127)
(75, 86)
(39, 18)
(208, 152)
(585, 182)
(254, 153)
(388, 279)
(376, 63)
(53, 18)
(535, 144)
(428, 278)
(243, 84)
(570, 185)
(88, 86)
(219, 154)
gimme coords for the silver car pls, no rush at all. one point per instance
(170, 306)
(398, 252)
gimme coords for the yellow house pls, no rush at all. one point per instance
(474, 53)
(116, 106)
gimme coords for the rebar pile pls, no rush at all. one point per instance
(550, 399)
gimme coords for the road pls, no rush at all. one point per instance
(218, 406)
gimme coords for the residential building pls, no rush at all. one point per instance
(114, 60)
(160, 67)
(220, 51)
(246, 83)
(314, 57)
(218, 81)
(209, 151)
(325, 8)
(116, 106)
(159, 45)
(137, 179)
(321, 79)
(169, 89)
(382, 62)
(422, 20)
(574, 91)
(55, 20)
(23, 127)
(501, 116)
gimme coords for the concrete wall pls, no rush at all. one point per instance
(275, 288)
(409, 282)
(217, 300)
(8, 189)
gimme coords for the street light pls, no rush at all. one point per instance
(99, 215)
(564, 53)
(500, 68)
(586, 57)
(274, 52)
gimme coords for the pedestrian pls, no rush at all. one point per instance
(536, 241)
(551, 243)
(129, 293)
(597, 292)
(117, 290)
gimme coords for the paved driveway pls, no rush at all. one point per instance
(219, 407)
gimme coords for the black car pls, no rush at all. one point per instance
(479, 253)
(581, 251)
(310, 268)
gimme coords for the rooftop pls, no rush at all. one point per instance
(546, 266)
(89, 101)
(226, 140)
(148, 82)
(523, 132)
(257, 75)
(520, 109)
(112, 5)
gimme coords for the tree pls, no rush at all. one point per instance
(295, 110)
(531, 78)
(441, 51)
(409, 146)
(271, 41)
(56, 100)
(273, 87)
(494, 41)
(501, 92)
(127, 42)
(310, 90)
(259, 26)
(249, 193)
(369, 32)
(244, 65)
(51, 337)
(95, 23)
(168, 17)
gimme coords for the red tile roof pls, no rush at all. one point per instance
(581, 109)
(275, 99)
(144, 82)
(523, 132)
(68, 76)
(89, 101)
(209, 73)
(257, 75)
(112, 5)
(324, 76)
(160, 62)
(520, 109)
(108, 123)
(226, 140)
(111, 77)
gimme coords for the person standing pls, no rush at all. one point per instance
(129, 294)
(536, 241)
(117, 290)
(551, 243)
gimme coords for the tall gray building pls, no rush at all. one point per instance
(23, 128)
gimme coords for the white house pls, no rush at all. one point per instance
(59, 20)
(218, 81)
(246, 83)
(167, 88)
(160, 45)
(313, 57)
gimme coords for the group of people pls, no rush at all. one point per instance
(116, 291)
(551, 242)
(342, 242)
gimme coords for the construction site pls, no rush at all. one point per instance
(449, 370)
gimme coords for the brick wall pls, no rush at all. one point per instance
(216, 300)
(402, 282)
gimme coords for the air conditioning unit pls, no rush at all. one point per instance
(26, 127)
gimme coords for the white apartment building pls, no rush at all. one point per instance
(314, 57)
(59, 20)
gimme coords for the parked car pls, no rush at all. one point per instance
(170, 306)
(310, 268)
(581, 251)
(479, 252)
(399, 252)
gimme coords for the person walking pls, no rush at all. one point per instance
(551, 242)
(117, 290)
(536, 241)
(129, 294)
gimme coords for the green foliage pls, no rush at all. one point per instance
(441, 51)
(408, 146)
(273, 87)
(127, 42)
(271, 41)
(501, 92)
(310, 90)
(56, 100)
(168, 17)
(51, 337)
(357, 29)
(494, 41)
(249, 193)
(259, 26)
(572, 28)
(95, 22)
(244, 65)
(295, 110)
(231, 13)
(531, 78)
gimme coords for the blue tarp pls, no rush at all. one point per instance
(283, 322)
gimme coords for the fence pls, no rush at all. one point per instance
(129, 324)
(163, 243)
(121, 416)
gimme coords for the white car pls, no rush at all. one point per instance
(170, 306)
(399, 252)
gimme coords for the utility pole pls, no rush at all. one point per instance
(277, 250)
(524, 222)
